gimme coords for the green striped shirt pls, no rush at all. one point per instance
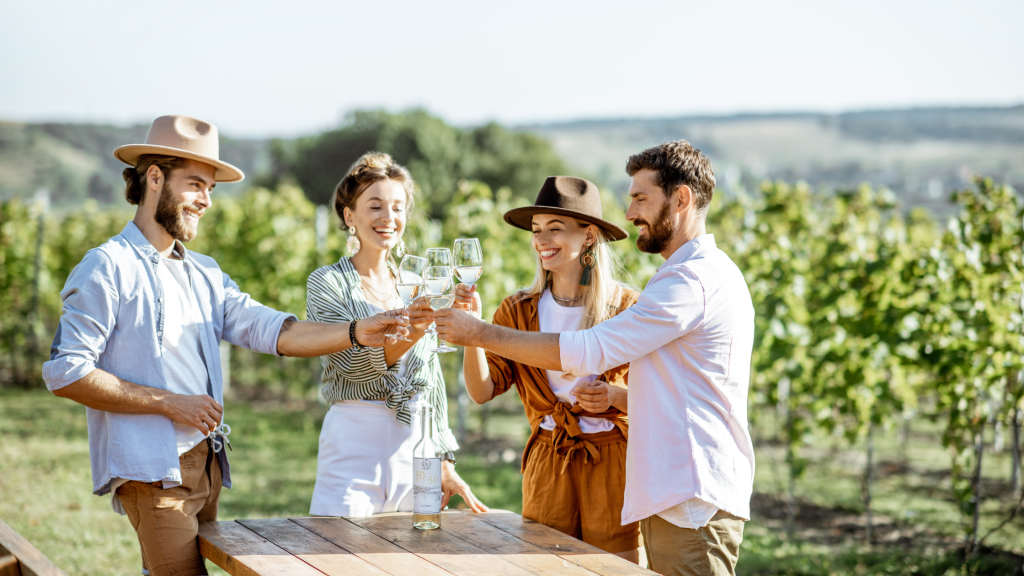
(335, 294)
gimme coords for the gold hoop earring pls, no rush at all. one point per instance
(588, 260)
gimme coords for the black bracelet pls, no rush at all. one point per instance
(352, 335)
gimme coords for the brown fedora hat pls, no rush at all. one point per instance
(184, 137)
(569, 196)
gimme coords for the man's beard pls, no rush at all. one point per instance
(171, 216)
(658, 235)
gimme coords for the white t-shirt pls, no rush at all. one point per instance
(694, 513)
(556, 318)
(183, 364)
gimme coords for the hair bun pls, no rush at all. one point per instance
(128, 174)
(379, 161)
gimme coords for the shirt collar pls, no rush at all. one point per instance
(137, 239)
(690, 249)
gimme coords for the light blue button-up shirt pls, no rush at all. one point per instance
(113, 319)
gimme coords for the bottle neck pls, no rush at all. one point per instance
(426, 428)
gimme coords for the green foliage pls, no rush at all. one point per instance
(862, 312)
(974, 344)
(438, 155)
(30, 302)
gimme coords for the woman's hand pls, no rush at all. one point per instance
(452, 484)
(597, 396)
(467, 298)
(420, 315)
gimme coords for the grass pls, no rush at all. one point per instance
(45, 492)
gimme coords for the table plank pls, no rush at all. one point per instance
(474, 530)
(370, 547)
(439, 547)
(9, 565)
(565, 546)
(242, 552)
(31, 562)
(325, 556)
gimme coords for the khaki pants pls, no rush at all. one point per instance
(708, 551)
(167, 521)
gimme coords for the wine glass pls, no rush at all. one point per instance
(469, 260)
(410, 281)
(439, 286)
(439, 257)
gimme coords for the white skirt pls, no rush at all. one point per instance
(364, 465)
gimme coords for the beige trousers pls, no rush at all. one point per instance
(167, 521)
(708, 551)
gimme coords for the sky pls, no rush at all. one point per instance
(288, 68)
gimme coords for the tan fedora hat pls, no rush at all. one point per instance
(184, 137)
(569, 196)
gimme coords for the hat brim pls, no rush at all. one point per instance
(130, 155)
(523, 218)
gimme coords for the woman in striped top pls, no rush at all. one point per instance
(364, 464)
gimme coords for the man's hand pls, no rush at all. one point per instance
(420, 314)
(200, 411)
(456, 326)
(373, 330)
(597, 396)
(101, 390)
(452, 484)
(468, 299)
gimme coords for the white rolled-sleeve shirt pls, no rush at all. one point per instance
(688, 341)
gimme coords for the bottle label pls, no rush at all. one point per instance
(426, 485)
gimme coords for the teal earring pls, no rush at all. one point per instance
(588, 260)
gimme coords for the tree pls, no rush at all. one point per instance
(974, 325)
(437, 155)
(862, 320)
(780, 240)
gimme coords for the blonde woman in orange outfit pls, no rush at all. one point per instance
(574, 462)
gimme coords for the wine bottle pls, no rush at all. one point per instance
(426, 477)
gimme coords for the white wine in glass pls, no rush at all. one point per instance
(439, 288)
(469, 260)
(410, 282)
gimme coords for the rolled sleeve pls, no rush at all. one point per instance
(249, 324)
(570, 351)
(672, 305)
(88, 316)
(333, 306)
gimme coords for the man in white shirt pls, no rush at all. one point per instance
(688, 339)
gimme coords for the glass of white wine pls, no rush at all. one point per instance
(469, 260)
(437, 257)
(439, 288)
(410, 282)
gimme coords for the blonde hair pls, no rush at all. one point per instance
(603, 298)
(371, 167)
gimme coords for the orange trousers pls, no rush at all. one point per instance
(585, 501)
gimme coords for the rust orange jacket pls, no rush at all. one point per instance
(519, 311)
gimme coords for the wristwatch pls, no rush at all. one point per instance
(352, 335)
(448, 457)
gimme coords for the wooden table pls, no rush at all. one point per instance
(497, 543)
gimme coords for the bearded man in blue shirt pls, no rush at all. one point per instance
(138, 343)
